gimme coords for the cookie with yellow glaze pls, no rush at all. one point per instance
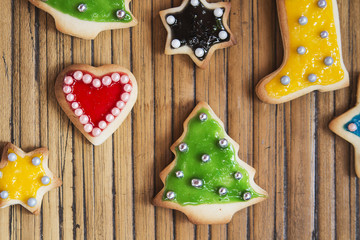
(207, 181)
(313, 56)
(347, 126)
(25, 178)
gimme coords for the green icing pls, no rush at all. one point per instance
(97, 10)
(203, 138)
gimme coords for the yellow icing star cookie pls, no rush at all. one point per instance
(312, 45)
(25, 178)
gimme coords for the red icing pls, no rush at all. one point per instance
(96, 103)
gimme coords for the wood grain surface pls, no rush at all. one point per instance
(106, 192)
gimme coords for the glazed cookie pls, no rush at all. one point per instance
(347, 126)
(97, 100)
(86, 19)
(312, 46)
(197, 28)
(25, 178)
(207, 181)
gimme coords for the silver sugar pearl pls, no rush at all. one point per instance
(120, 14)
(324, 34)
(179, 174)
(205, 158)
(301, 50)
(223, 143)
(322, 3)
(329, 61)
(82, 7)
(196, 183)
(285, 80)
(4, 194)
(238, 176)
(247, 196)
(170, 195)
(223, 191)
(303, 20)
(312, 77)
(183, 147)
(32, 202)
(203, 117)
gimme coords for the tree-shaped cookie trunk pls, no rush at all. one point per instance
(207, 181)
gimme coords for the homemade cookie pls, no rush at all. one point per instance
(207, 181)
(86, 19)
(312, 46)
(197, 28)
(25, 178)
(347, 126)
(97, 100)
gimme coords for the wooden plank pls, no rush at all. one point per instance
(122, 139)
(6, 113)
(265, 128)
(143, 122)
(163, 116)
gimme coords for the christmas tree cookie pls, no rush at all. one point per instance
(347, 126)
(207, 181)
(312, 45)
(86, 19)
(25, 178)
(197, 28)
(97, 100)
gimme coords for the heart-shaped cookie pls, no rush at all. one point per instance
(97, 100)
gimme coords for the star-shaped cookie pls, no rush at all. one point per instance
(347, 126)
(25, 178)
(197, 28)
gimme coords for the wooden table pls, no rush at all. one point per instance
(106, 192)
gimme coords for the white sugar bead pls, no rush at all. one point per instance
(324, 34)
(88, 128)
(115, 77)
(96, 132)
(223, 35)
(79, 112)
(285, 80)
(87, 78)
(12, 157)
(199, 52)
(115, 112)
(195, 3)
(96, 83)
(303, 20)
(125, 97)
(1, 174)
(110, 118)
(67, 89)
(170, 19)
(124, 79)
(68, 80)
(120, 104)
(301, 50)
(31, 202)
(84, 119)
(70, 97)
(322, 3)
(127, 88)
(45, 180)
(4, 194)
(74, 105)
(106, 80)
(175, 43)
(78, 75)
(102, 124)
(36, 161)
(218, 12)
(329, 61)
